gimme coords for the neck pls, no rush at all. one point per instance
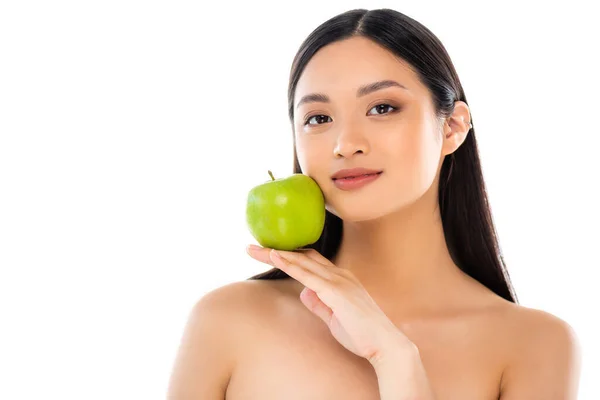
(402, 258)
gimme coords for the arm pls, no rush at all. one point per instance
(546, 364)
(204, 361)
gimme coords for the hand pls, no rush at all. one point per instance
(337, 297)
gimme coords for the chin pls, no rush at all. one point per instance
(349, 212)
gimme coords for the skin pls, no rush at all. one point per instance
(393, 236)
(257, 340)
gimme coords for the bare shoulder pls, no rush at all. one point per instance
(246, 296)
(242, 308)
(544, 356)
(539, 331)
(220, 326)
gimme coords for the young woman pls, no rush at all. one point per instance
(405, 295)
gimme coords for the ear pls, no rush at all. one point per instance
(456, 127)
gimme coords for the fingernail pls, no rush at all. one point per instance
(252, 247)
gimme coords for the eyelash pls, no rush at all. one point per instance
(394, 109)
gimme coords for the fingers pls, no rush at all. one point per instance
(307, 260)
(315, 255)
(306, 266)
(259, 253)
(309, 298)
(299, 272)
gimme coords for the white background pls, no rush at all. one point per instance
(131, 132)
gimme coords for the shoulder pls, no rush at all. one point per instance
(245, 308)
(544, 356)
(241, 304)
(221, 325)
(242, 293)
(242, 314)
(534, 330)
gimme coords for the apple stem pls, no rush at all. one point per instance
(271, 175)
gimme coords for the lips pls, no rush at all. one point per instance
(354, 172)
(349, 178)
(355, 182)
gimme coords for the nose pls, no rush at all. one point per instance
(350, 142)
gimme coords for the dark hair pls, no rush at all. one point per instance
(466, 217)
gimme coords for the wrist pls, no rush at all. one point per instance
(401, 374)
(396, 352)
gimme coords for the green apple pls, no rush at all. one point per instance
(286, 213)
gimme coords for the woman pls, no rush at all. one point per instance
(405, 295)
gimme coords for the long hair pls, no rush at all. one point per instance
(466, 217)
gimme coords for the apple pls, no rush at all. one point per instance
(286, 213)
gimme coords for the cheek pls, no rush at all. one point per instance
(414, 146)
(419, 160)
(410, 157)
(314, 159)
(311, 153)
(302, 156)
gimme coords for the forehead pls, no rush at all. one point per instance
(343, 66)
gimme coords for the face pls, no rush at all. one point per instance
(393, 129)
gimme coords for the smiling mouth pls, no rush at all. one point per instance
(349, 178)
(355, 182)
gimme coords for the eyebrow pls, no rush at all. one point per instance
(362, 91)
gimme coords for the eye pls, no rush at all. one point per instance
(383, 107)
(317, 117)
(380, 107)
